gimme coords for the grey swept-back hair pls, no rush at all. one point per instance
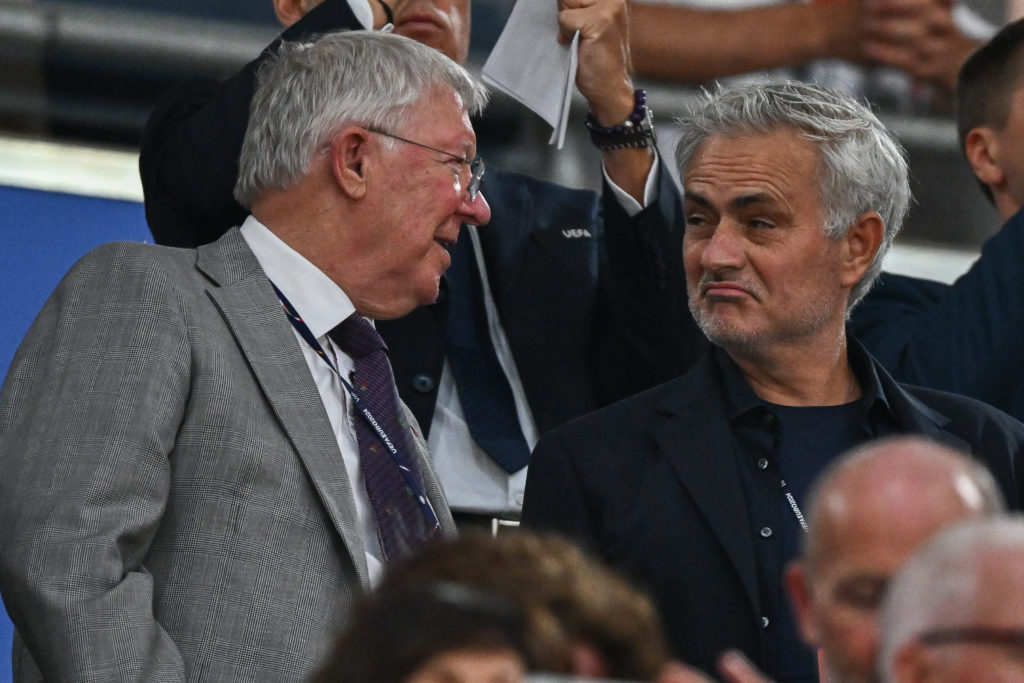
(308, 90)
(864, 167)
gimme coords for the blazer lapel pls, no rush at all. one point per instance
(253, 313)
(915, 417)
(696, 440)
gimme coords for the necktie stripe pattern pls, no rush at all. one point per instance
(393, 482)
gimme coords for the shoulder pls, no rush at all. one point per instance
(967, 414)
(133, 262)
(619, 428)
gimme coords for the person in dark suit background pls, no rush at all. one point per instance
(191, 490)
(966, 337)
(575, 293)
(792, 195)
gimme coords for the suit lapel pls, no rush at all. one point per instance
(915, 417)
(707, 466)
(251, 310)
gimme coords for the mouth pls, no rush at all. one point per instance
(725, 290)
(446, 242)
(417, 22)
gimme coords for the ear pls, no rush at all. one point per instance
(860, 244)
(351, 160)
(983, 152)
(289, 11)
(802, 601)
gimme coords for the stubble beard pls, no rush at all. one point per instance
(742, 339)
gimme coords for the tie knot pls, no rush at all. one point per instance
(356, 337)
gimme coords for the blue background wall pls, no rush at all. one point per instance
(41, 235)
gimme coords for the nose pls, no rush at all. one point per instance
(723, 248)
(475, 211)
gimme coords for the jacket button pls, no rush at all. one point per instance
(424, 384)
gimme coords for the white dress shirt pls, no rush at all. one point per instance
(322, 305)
(471, 479)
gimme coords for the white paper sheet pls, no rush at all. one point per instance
(529, 64)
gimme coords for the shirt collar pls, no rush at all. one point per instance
(316, 297)
(740, 399)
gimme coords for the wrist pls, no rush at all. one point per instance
(635, 131)
(613, 111)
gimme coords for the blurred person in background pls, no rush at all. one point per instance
(955, 612)
(966, 337)
(431, 632)
(866, 514)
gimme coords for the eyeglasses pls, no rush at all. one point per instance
(985, 635)
(476, 166)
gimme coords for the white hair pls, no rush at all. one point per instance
(864, 166)
(307, 91)
(939, 585)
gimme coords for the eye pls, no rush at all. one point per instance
(863, 594)
(697, 220)
(760, 223)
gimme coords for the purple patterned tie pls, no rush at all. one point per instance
(393, 480)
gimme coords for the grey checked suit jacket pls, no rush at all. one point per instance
(173, 503)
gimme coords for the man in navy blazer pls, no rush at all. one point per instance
(695, 488)
(966, 337)
(584, 292)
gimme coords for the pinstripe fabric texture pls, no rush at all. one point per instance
(173, 504)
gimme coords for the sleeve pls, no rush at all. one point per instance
(88, 418)
(650, 335)
(188, 158)
(554, 500)
(965, 337)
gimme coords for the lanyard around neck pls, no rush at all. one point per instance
(791, 499)
(307, 335)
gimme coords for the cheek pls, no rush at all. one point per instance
(852, 635)
(691, 257)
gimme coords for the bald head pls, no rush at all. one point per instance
(906, 486)
(866, 513)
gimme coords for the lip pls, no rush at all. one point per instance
(418, 21)
(724, 289)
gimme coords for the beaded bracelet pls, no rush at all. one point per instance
(636, 131)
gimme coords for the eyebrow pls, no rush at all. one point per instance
(738, 202)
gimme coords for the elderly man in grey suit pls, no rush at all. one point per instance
(204, 458)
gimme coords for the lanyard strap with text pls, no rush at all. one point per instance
(303, 329)
(791, 499)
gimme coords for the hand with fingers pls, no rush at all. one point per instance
(918, 36)
(603, 76)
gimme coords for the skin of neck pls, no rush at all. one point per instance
(802, 374)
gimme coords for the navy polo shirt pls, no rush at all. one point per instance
(790, 444)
